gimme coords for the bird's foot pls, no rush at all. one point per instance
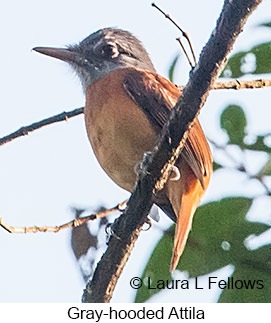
(175, 174)
(149, 224)
(110, 232)
(140, 168)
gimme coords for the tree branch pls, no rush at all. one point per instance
(74, 223)
(23, 131)
(127, 227)
(239, 85)
(64, 116)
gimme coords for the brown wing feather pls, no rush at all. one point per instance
(156, 96)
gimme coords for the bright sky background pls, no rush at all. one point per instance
(46, 173)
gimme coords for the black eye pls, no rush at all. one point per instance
(109, 51)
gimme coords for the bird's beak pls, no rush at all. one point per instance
(64, 54)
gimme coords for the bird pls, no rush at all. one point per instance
(127, 104)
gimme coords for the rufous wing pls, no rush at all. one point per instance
(156, 96)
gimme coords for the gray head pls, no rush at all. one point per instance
(106, 50)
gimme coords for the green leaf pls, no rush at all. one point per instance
(157, 267)
(266, 170)
(259, 145)
(213, 227)
(263, 61)
(254, 61)
(216, 166)
(172, 68)
(265, 24)
(253, 228)
(216, 240)
(216, 236)
(253, 274)
(233, 121)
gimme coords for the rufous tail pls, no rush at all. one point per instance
(184, 209)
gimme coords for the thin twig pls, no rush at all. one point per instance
(23, 131)
(240, 166)
(239, 85)
(184, 34)
(185, 52)
(74, 223)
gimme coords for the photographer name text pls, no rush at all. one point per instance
(213, 282)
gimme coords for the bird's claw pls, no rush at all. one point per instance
(175, 174)
(148, 222)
